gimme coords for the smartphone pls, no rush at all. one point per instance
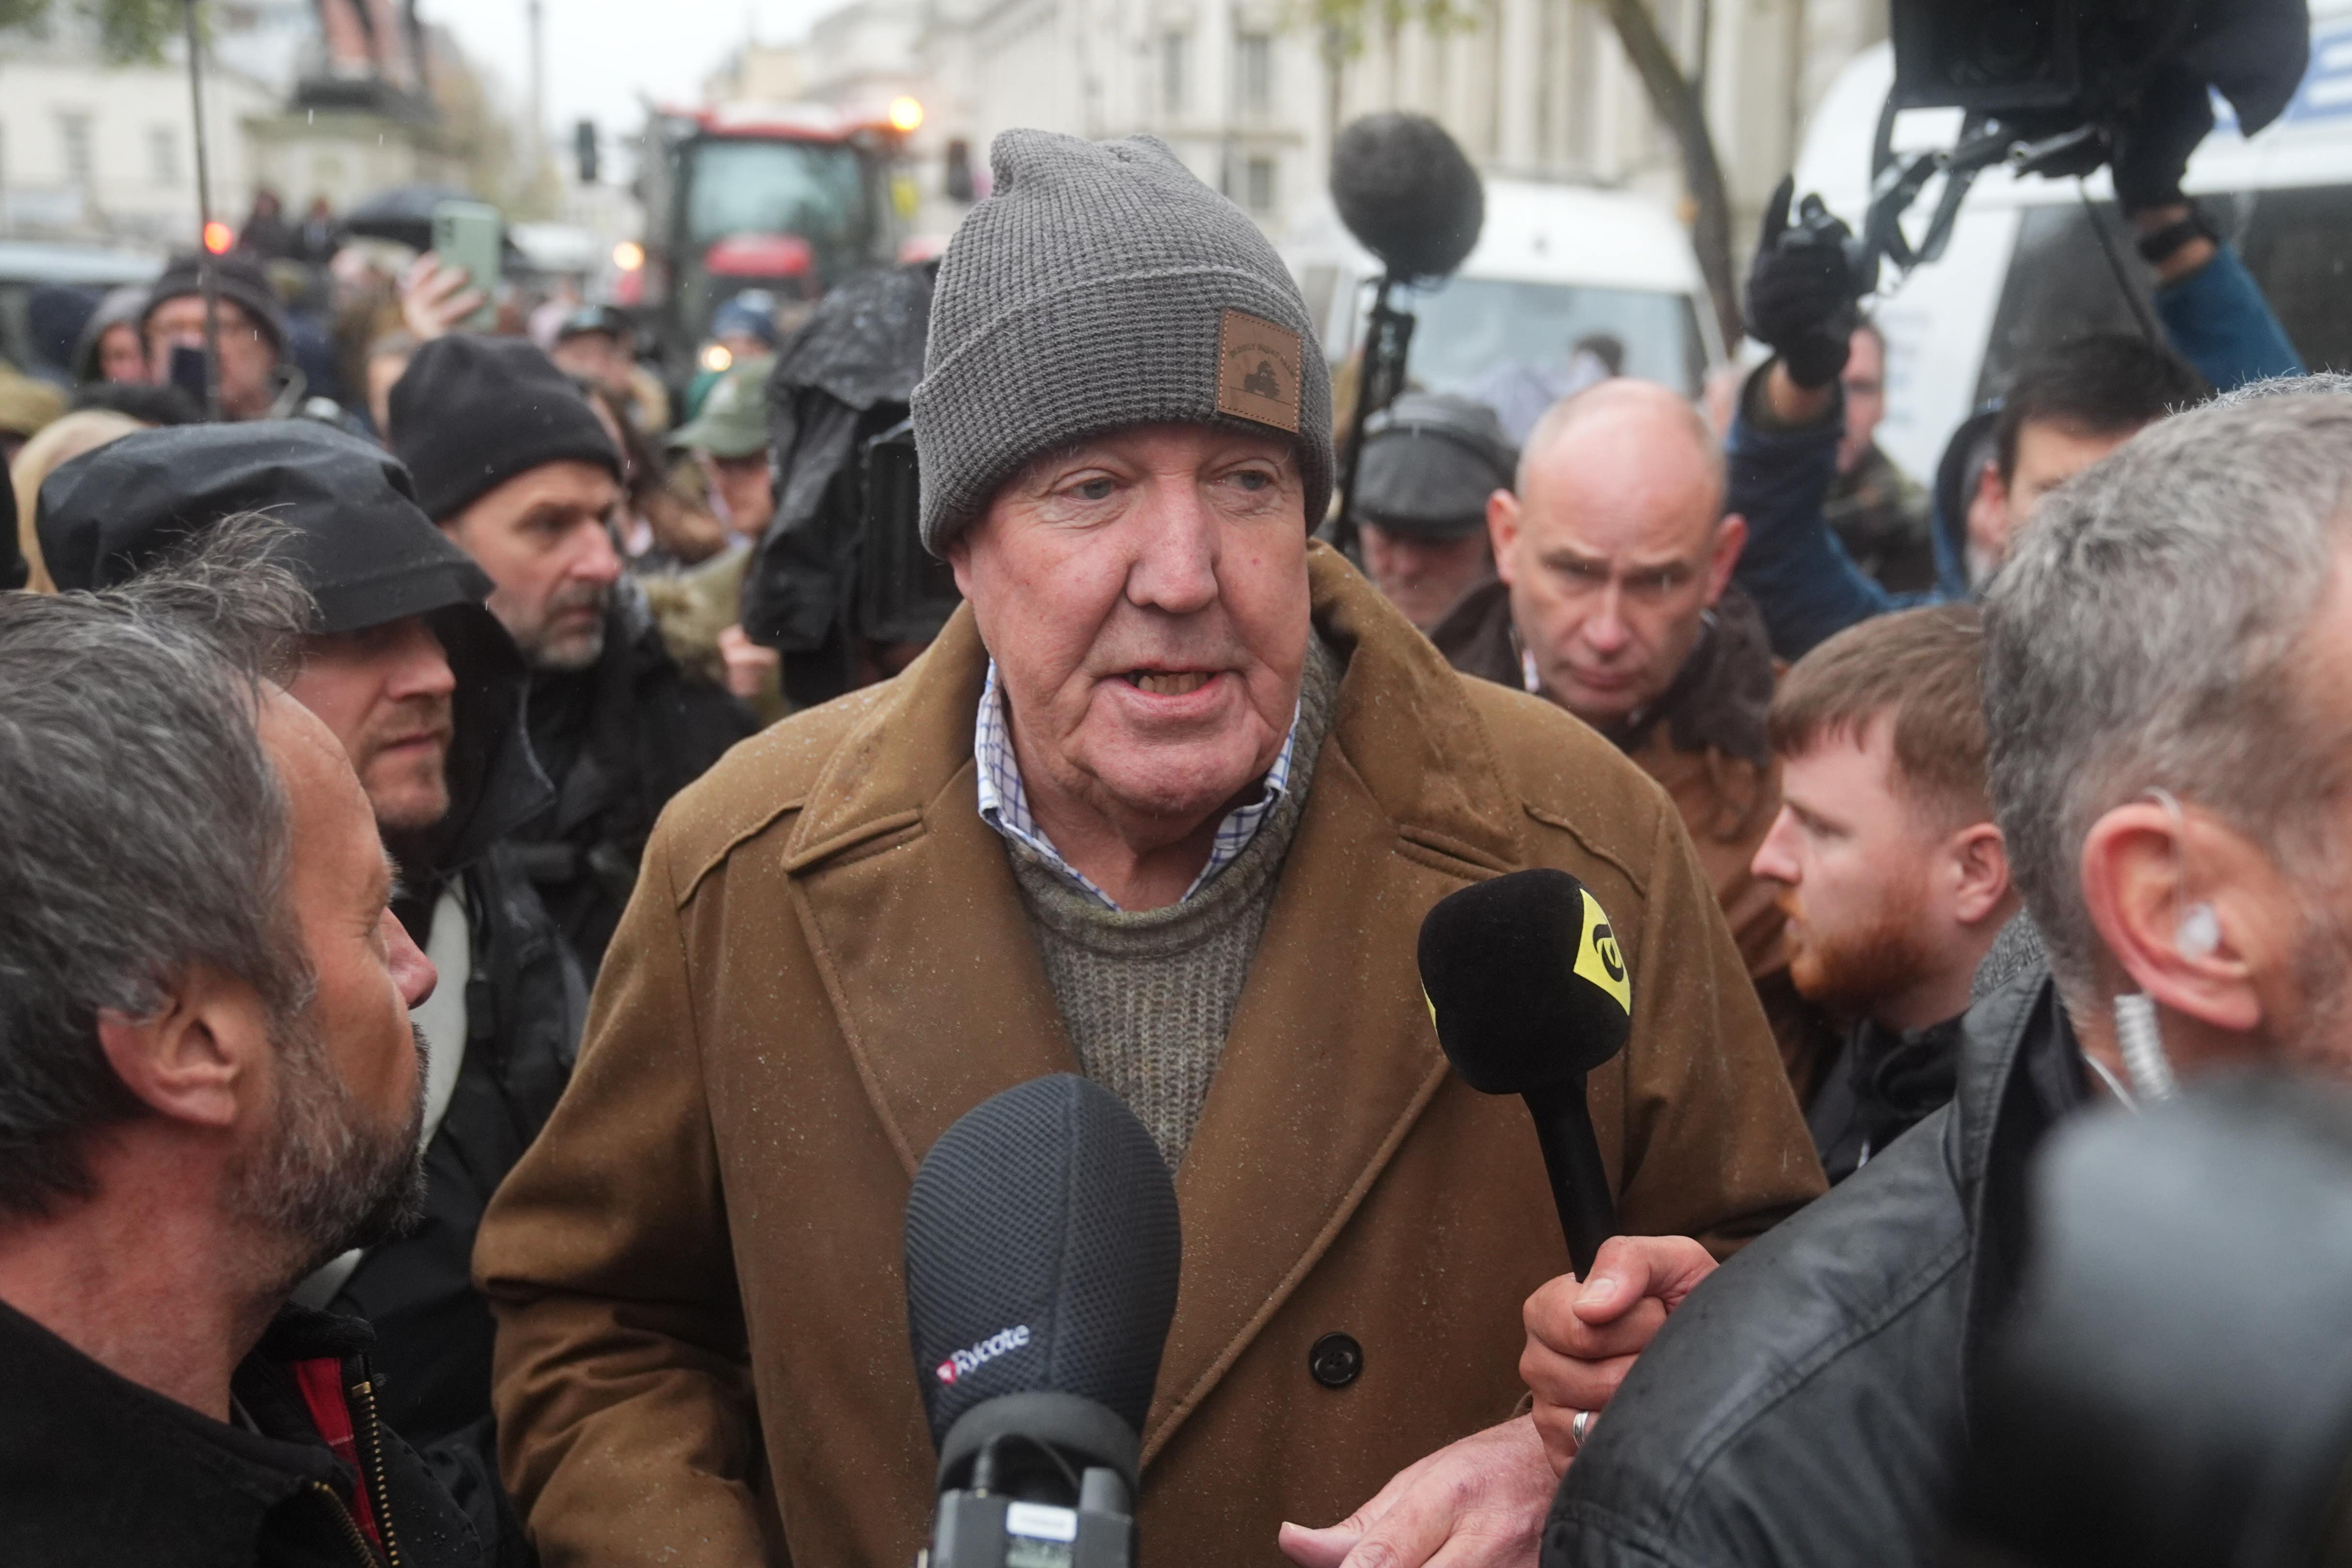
(188, 372)
(466, 234)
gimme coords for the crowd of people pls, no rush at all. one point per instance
(471, 1004)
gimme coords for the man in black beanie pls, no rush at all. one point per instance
(425, 690)
(252, 329)
(516, 468)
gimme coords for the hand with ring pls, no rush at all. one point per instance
(1583, 1336)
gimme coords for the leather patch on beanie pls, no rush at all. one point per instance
(1258, 366)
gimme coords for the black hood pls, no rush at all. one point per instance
(361, 545)
(1969, 449)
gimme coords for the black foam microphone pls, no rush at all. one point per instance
(1041, 1258)
(1406, 192)
(1529, 993)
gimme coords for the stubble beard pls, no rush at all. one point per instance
(1853, 974)
(415, 803)
(569, 651)
(329, 1179)
(2323, 972)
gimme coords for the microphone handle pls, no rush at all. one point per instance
(1580, 1183)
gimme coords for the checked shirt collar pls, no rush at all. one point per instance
(1004, 804)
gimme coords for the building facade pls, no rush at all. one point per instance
(93, 149)
(1251, 92)
(333, 99)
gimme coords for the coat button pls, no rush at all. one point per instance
(1336, 1360)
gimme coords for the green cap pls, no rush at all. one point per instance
(734, 418)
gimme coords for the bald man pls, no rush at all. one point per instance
(1612, 596)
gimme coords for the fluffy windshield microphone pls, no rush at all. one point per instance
(1042, 1259)
(1407, 194)
(1529, 993)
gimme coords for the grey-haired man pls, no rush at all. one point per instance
(209, 1085)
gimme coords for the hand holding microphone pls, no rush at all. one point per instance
(1585, 1333)
(1531, 992)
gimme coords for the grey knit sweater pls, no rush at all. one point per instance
(1149, 995)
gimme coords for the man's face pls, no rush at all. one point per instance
(1866, 396)
(599, 357)
(1852, 858)
(2048, 455)
(1613, 553)
(740, 487)
(337, 1163)
(1145, 597)
(386, 692)
(120, 356)
(542, 537)
(1423, 577)
(248, 357)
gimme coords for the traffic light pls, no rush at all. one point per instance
(583, 149)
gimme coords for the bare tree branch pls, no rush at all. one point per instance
(1676, 100)
(127, 29)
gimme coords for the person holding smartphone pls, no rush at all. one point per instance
(252, 331)
(258, 379)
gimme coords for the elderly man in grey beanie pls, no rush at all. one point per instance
(1164, 804)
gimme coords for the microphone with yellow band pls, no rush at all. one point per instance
(1529, 993)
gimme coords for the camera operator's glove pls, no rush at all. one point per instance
(1801, 290)
(2153, 142)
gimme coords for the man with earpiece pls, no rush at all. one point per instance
(2168, 761)
(2168, 764)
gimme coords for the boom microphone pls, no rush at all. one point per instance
(1407, 194)
(1041, 1258)
(1529, 993)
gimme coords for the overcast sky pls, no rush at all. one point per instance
(602, 54)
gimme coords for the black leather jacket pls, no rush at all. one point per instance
(1808, 1405)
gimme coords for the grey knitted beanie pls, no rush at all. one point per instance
(1102, 285)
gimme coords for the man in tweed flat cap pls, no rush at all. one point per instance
(1164, 804)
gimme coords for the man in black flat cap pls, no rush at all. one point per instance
(1431, 460)
(515, 468)
(425, 690)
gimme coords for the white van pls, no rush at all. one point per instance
(1554, 264)
(2025, 268)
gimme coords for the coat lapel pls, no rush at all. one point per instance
(1331, 1056)
(914, 920)
(909, 904)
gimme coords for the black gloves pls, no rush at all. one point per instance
(1801, 293)
(2154, 139)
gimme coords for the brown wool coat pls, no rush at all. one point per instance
(702, 1348)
